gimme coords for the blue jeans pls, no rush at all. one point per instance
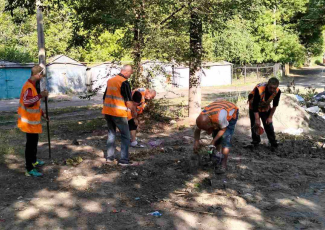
(225, 140)
(122, 124)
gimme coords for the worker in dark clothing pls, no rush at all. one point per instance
(260, 109)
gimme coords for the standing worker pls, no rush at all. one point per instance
(29, 119)
(140, 96)
(117, 101)
(259, 108)
(219, 119)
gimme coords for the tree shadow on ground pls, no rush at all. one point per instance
(261, 190)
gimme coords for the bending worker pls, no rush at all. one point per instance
(29, 119)
(219, 119)
(117, 101)
(140, 97)
(259, 108)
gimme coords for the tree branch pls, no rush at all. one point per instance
(172, 15)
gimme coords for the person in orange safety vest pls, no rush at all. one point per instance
(29, 119)
(260, 109)
(117, 102)
(140, 97)
(219, 119)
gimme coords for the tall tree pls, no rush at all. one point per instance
(195, 63)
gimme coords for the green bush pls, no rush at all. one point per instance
(14, 54)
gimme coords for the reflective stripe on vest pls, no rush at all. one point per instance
(29, 118)
(30, 110)
(116, 106)
(114, 103)
(115, 97)
(264, 106)
(29, 122)
(214, 109)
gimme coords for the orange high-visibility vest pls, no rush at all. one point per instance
(143, 103)
(263, 106)
(114, 103)
(29, 118)
(214, 109)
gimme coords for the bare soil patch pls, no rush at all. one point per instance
(261, 190)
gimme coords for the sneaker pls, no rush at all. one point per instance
(111, 161)
(125, 164)
(33, 173)
(38, 163)
(137, 145)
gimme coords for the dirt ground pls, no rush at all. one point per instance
(261, 189)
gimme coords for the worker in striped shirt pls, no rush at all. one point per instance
(29, 119)
(219, 119)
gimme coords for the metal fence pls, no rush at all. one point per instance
(261, 70)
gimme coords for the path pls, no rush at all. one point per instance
(308, 76)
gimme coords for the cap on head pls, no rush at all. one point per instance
(37, 69)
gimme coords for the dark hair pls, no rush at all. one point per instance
(273, 81)
(137, 96)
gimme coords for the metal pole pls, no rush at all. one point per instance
(42, 62)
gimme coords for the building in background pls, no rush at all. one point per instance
(66, 75)
(163, 75)
(97, 75)
(169, 75)
(12, 78)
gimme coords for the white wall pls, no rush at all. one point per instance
(211, 76)
(66, 78)
(216, 75)
(100, 75)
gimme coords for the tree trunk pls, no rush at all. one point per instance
(138, 39)
(287, 69)
(195, 68)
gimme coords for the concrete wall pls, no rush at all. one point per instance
(66, 78)
(177, 77)
(100, 74)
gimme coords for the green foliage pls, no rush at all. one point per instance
(310, 26)
(289, 49)
(14, 54)
(94, 31)
(237, 44)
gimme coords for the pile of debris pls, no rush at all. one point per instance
(315, 105)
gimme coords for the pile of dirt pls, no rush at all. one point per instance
(289, 114)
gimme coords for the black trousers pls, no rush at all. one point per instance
(31, 150)
(269, 129)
